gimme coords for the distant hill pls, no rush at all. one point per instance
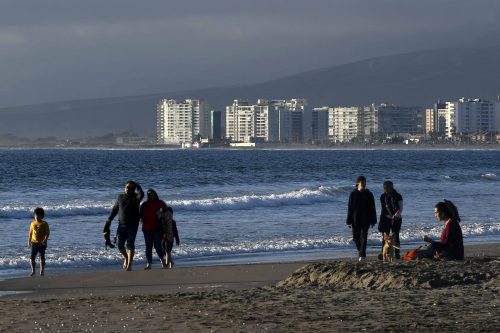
(418, 78)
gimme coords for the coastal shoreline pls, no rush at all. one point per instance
(265, 146)
(249, 298)
(115, 282)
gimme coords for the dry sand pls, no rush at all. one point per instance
(330, 296)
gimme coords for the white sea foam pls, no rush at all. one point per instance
(93, 257)
(69, 257)
(490, 176)
(70, 209)
(304, 196)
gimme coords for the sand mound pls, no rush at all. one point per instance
(382, 276)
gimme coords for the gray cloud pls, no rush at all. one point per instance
(57, 50)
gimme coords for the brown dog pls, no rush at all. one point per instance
(388, 250)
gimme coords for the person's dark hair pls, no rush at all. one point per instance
(170, 209)
(131, 183)
(443, 208)
(39, 212)
(453, 209)
(153, 193)
(389, 184)
(361, 179)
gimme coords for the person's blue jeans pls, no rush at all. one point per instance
(127, 233)
(35, 249)
(152, 238)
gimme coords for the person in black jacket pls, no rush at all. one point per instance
(391, 203)
(361, 214)
(127, 208)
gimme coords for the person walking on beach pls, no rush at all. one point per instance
(170, 232)
(451, 244)
(127, 207)
(361, 214)
(151, 227)
(391, 203)
(37, 241)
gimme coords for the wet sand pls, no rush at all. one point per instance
(326, 296)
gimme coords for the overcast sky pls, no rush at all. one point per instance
(62, 50)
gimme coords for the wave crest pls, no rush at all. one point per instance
(303, 196)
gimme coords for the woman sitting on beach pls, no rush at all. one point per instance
(152, 228)
(451, 244)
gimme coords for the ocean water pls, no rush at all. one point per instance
(235, 206)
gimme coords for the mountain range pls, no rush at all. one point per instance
(417, 78)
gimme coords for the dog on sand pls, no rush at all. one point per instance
(389, 246)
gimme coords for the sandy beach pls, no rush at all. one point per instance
(326, 296)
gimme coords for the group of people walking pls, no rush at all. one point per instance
(361, 215)
(160, 229)
(158, 226)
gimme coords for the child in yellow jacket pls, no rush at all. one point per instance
(37, 241)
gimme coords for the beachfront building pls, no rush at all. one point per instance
(300, 120)
(181, 122)
(435, 120)
(468, 116)
(397, 120)
(497, 115)
(345, 123)
(217, 121)
(370, 123)
(264, 121)
(319, 124)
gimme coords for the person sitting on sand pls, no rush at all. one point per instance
(152, 228)
(451, 244)
(127, 206)
(37, 241)
(170, 232)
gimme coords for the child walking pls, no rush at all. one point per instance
(37, 241)
(169, 227)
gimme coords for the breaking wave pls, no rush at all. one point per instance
(303, 196)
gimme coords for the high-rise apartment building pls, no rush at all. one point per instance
(269, 121)
(497, 114)
(181, 122)
(217, 121)
(462, 117)
(435, 120)
(396, 120)
(468, 116)
(370, 123)
(346, 123)
(300, 120)
(319, 124)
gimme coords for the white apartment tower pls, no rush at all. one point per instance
(181, 122)
(469, 116)
(268, 121)
(345, 123)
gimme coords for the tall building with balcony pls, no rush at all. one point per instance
(435, 120)
(268, 121)
(468, 116)
(346, 124)
(181, 122)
